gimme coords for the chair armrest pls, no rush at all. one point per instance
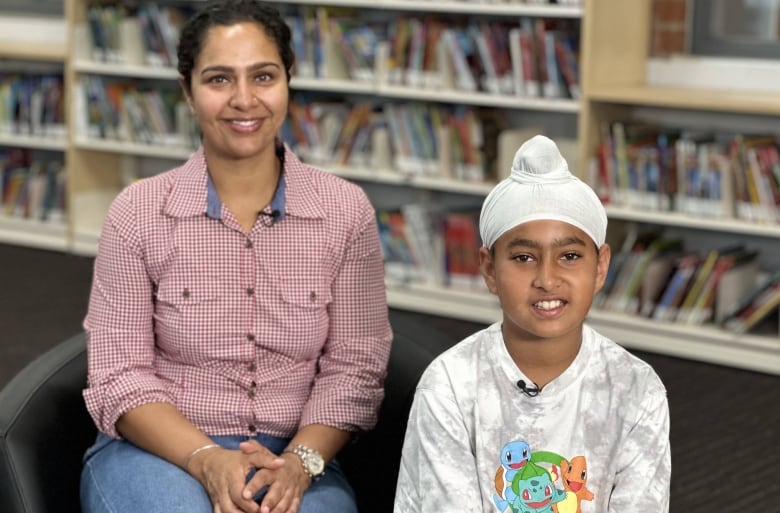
(44, 431)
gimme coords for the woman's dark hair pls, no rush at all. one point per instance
(226, 13)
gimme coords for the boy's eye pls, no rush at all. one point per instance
(572, 255)
(522, 258)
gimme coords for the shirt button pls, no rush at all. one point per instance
(312, 296)
(248, 244)
(185, 293)
(252, 367)
(253, 384)
(250, 337)
(251, 394)
(250, 291)
(252, 428)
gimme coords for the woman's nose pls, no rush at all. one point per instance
(244, 96)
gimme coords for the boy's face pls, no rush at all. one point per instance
(545, 274)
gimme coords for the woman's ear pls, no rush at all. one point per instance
(187, 96)
(488, 269)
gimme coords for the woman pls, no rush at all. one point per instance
(237, 323)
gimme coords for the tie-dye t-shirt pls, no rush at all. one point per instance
(594, 440)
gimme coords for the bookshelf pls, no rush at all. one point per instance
(104, 166)
(614, 40)
(40, 46)
(616, 87)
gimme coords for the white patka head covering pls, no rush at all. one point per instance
(541, 186)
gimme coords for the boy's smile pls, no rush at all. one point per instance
(545, 274)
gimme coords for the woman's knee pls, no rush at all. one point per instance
(120, 477)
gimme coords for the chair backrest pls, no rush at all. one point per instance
(45, 428)
(372, 463)
(44, 431)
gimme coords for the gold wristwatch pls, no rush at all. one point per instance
(312, 461)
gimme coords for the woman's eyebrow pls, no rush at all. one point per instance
(230, 69)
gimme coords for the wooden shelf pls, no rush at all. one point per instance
(460, 7)
(22, 50)
(732, 226)
(35, 234)
(765, 104)
(33, 142)
(135, 148)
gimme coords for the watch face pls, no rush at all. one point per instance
(315, 464)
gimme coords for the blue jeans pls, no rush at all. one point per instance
(119, 477)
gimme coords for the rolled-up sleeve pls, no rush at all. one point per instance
(348, 388)
(120, 337)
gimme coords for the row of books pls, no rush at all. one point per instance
(653, 277)
(422, 243)
(146, 33)
(658, 278)
(417, 139)
(31, 188)
(532, 57)
(129, 111)
(32, 104)
(698, 173)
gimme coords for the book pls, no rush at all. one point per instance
(701, 276)
(703, 309)
(531, 75)
(655, 278)
(462, 243)
(741, 305)
(424, 233)
(674, 292)
(763, 305)
(734, 284)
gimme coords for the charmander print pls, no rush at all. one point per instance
(539, 482)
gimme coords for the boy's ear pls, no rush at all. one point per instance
(604, 256)
(488, 269)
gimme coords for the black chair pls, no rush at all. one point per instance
(45, 428)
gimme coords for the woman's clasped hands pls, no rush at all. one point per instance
(223, 473)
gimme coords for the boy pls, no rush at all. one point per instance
(538, 412)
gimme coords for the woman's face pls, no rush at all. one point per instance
(239, 92)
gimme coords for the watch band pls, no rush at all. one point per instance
(311, 460)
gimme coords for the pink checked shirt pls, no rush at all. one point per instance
(265, 332)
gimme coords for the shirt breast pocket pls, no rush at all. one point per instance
(184, 311)
(305, 315)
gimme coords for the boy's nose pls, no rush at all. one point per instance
(546, 278)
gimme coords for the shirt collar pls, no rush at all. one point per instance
(214, 205)
(192, 193)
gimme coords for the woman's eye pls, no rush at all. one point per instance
(218, 79)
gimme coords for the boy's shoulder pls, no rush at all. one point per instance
(617, 364)
(462, 359)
